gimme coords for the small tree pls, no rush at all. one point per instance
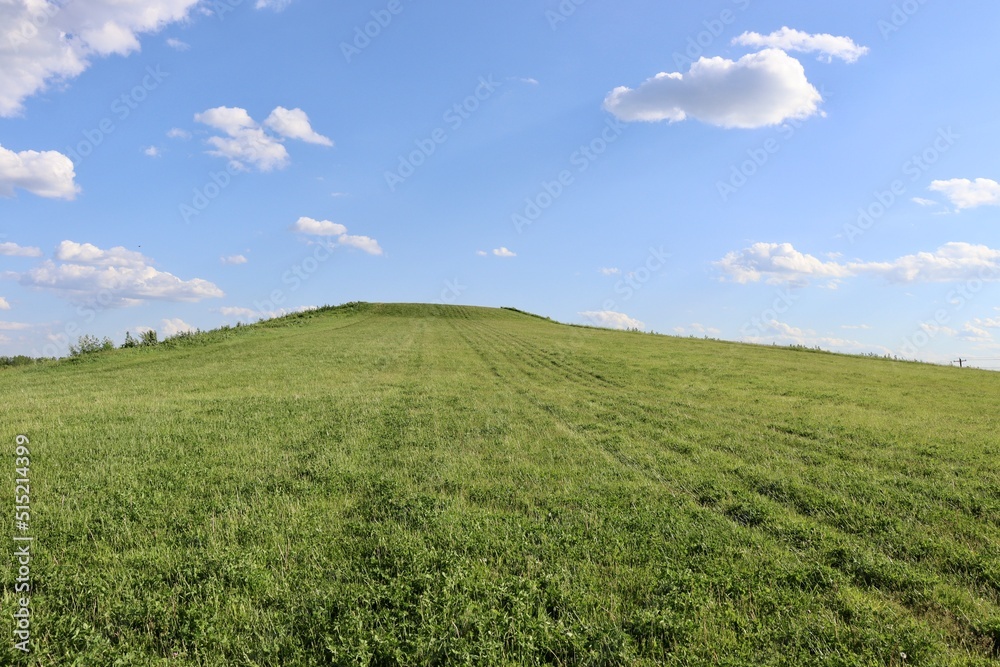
(129, 341)
(149, 338)
(88, 344)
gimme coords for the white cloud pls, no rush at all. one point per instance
(233, 311)
(975, 334)
(13, 250)
(178, 133)
(318, 227)
(151, 151)
(920, 201)
(4, 305)
(46, 174)
(48, 43)
(758, 90)
(781, 263)
(862, 327)
(610, 271)
(294, 124)
(949, 263)
(365, 243)
(86, 274)
(964, 193)
(697, 329)
(246, 143)
(326, 228)
(14, 326)
(87, 253)
(172, 327)
(504, 252)
(788, 39)
(249, 143)
(177, 44)
(234, 260)
(612, 320)
(777, 263)
(482, 253)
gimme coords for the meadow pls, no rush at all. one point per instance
(433, 485)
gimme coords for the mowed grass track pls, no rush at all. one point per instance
(407, 485)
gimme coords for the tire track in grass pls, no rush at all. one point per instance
(866, 567)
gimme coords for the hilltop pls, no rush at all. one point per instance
(416, 484)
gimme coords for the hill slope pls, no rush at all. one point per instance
(402, 484)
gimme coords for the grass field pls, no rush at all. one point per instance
(401, 484)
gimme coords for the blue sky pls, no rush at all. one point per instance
(818, 173)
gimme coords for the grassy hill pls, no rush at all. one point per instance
(404, 484)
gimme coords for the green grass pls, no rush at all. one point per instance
(401, 484)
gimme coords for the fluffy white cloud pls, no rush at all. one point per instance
(777, 263)
(248, 143)
(964, 193)
(46, 173)
(4, 305)
(13, 250)
(233, 260)
(788, 39)
(151, 151)
(326, 228)
(949, 263)
(50, 43)
(504, 252)
(921, 201)
(178, 45)
(975, 334)
(318, 227)
(294, 124)
(610, 271)
(612, 320)
(172, 327)
(86, 274)
(87, 253)
(780, 263)
(364, 243)
(178, 133)
(758, 90)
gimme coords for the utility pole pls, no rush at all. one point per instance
(960, 362)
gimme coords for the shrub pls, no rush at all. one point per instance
(88, 344)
